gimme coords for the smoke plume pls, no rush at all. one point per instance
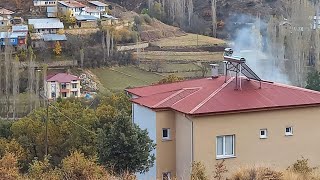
(250, 40)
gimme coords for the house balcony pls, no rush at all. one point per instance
(64, 90)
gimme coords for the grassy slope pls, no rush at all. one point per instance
(120, 78)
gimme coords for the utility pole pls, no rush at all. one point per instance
(47, 119)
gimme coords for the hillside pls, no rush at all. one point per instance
(227, 11)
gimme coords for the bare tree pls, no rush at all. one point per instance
(190, 11)
(108, 38)
(15, 85)
(214, 17)
(103, 40)
(31, 68)
(81, 56)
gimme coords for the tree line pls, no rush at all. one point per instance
(99, 132)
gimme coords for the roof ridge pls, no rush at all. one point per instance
(198, 88)
(211, 95)
(169, 97)
(296, 88)
(176, 93)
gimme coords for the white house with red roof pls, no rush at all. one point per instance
(62, 85)
(77, 9)
(243, 120)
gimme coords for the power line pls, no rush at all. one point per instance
(72, 120)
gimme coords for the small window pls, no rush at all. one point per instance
(225, 146)
(75, 93)
(63, 86)
(166, 134)
(166, 176)
(263, 133)
(64, 94)
(74, 85)
(289, 131)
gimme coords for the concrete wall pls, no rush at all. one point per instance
(166, 149)
(146, 119)
(87, 24)
(277, 150)
(132, 47)
(183, 146)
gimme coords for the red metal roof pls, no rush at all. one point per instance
(206, 96)
(62, 78)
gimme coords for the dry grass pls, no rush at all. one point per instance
(188, 40)
(181, 56)
(257, 173)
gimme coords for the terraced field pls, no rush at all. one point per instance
(119, 78)
(188, 41)
(180, 56)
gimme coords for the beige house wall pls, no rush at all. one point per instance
(166, 149)
(183, 146)
(277, 150)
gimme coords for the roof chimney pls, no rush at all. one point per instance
(214, 70)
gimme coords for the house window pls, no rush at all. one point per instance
(75, 93)
(63, 86)
(166, 176)
(74, 85)
(263, 133)
(289, 131)
(225, 146)
(64, 94)
(166, 134)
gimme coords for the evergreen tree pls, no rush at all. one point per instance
(124, 147)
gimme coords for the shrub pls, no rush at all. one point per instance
(138, 20)
(301, 166)
(220, 169)
(198, 171)
(257, 173)
(147, 18)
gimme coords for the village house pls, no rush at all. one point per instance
(5, 19)
(86, 21)
(52, 12)
(74, 7)
(44, 2)
(62, 85)
(4, 24)
(45, 32)
(241, 119)
(102, 7)
(6, 13)
(17, 37)
(46, 25)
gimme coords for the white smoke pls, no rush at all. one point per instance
(250, 43)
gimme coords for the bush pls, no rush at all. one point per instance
(301, 166)
(147, 18)
(138, 20)
(257, 173)
(198, 171)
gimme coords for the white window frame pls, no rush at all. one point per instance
(224, 156)
(75, 93)
(74, 84)
(265, 136)
(168, 174)
(288, 133)
(168, 132)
